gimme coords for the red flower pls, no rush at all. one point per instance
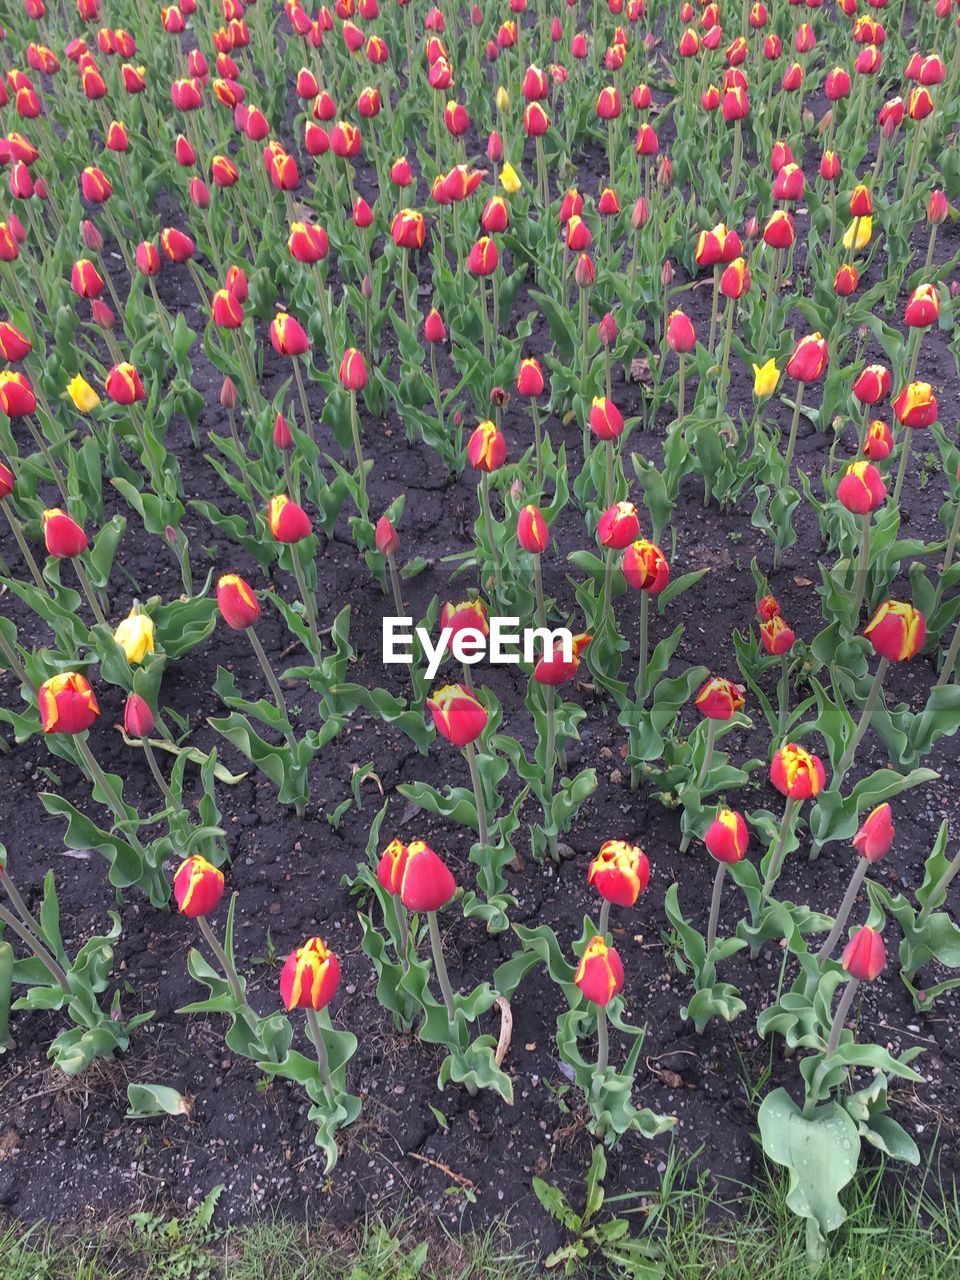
(287, 520)
(796, 773)
(530, 378)
(138, 719)
(645, 567)
(288, 336)
(599, 974)
(426, 883)
(66, 704)
(353, 370)
(875, 836)
(554, 669)
(681, 335)
(238, 605)
(872, 384)
(809, 358)
(310, 977)
(385, 537)
(486, 448)
(777, 637)
(457, 714)
(620, 872)
(727, 836)
(896, 631)
(862, 488)
(64, 538)
(483, 257)
(916, 405)
(606, 420)
(197, 887)
(719, 698)
(532, 532)
(618, 526)
(864, 955)
(123, 385)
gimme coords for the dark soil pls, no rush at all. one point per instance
(66, 1151)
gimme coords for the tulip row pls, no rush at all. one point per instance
(305, 268)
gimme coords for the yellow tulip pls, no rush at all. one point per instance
(84, 397)
(864, 229)
(765, 379)
(509, 179)
(135, 636)
(503, 99)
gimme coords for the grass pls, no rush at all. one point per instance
(900, 1235)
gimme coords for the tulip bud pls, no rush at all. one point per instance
(599, 975)
(719, 698)
(861, 488)
(238, 605)
(197, 887)
(135, 636)
(532, 532)
(310, 976)
(228, 394)
(618, 526)
(727, 837)
(288, 521)
(796, 773)
(768, 608)
(63, 537)
(620, 872)
(896, 631)
(385, 535)
(875, 837)
(137, 717)
(864, 955)
(457, 714)
(645, 567)
(606, 420)
(426, 883)
(7, 482)
(67, 704)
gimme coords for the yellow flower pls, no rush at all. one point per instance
(864, 228)
(82, 394)
(503, 99)
(135, 636)
(765, 379)
(510, 180)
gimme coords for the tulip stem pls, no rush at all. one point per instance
(274, 684)
(843, 914)
(714, 310)
(49, 459)
(851, 750)
(902, 469)
(641, 688)
(950, 661)
(158, 777)
(470, 752)
(308, 597)
(315, 1032)
(863, 568)
(113, 800)
(681, 399)
(436, 946)
(25, 551)
(783, 695)
(488, 521)
(725, 363)
(358, 452)
(794, 423)
(26, 935)
(538, 591)
(395, 585)
(307, 419)
(92, 600)
(21, 908)
(603, 1042)
(605, 919)
(550, 761)
(954, 530)
(833, 1043)
(715, 907)
(702, 773)
(226, 964)
(776, 857)
(607, 586)
(537, 444)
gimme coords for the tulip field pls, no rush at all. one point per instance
(479, 613)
